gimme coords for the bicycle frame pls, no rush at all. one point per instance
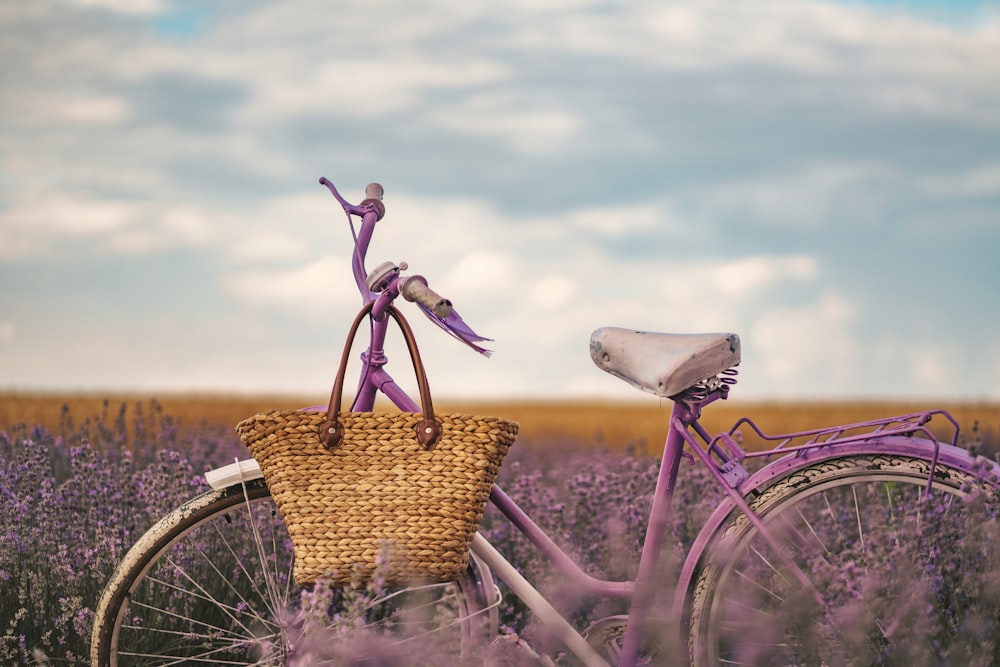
(375, 378)
(720, 454)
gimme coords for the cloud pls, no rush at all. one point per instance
(934, 367)
(751, 274)
(505, 87)
(553, 291)
(815, 38)
(922, 363)
(36, 221)
(40, 222)
(86, 109)
(516, 120)
(309, 290)
(813, 194)
(482, 273)
(980, 181)
(624, 220)
(812, 347)
(66, 214)
(283, 228)
(428, 231)
(267, 244)
(121, 6)
(381, 86)
(552, 167)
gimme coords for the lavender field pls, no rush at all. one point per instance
(72, 501)
(74, 498)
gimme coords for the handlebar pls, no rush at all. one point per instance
(323, 180)
(414, 288)
(386, 278)
(371, 210)
(371, 204)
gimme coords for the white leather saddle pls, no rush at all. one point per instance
(661, 363)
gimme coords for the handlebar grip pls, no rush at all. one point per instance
(414, 288)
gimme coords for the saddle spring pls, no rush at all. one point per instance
(720, 383)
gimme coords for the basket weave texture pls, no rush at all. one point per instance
(379, 490)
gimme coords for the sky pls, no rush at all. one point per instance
(822, 178)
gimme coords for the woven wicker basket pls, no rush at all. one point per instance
(352, 485)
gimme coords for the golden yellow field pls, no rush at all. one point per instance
(614, 425)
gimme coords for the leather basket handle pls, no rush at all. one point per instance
(331, 432)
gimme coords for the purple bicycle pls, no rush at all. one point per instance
(798, 564)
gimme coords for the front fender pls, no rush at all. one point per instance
(891, 445)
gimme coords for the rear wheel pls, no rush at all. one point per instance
(890, 577)
(211, 583)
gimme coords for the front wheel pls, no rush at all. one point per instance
(211, 583)
(862, 569)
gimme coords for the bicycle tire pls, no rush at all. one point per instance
(893, 579)
(192, 590)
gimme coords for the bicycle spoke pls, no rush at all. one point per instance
(857, 514)
(209, 596)
(268, 580)
(844, 531)
(208, 659)
(172, 614)
(816, 536)
(185, 659)
(241, 564)
(197, 596)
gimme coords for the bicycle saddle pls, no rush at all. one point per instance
(660, 363)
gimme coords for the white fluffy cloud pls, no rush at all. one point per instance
(744, 276)
(811, 346)
(779, 169)
(122, 6)
(311, 290)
